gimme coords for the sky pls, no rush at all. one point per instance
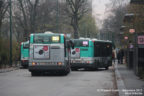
(99, 10)
(98, 7)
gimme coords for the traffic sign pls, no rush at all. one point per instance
(126, 37)
(131, 31)
(141, 39)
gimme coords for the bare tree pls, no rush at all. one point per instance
(33, 14)
(25, 17)
(113, 23)
(46, 19)
(3, 9)
(75, 10)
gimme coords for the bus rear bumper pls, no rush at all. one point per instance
(83, 65)
(46, 68)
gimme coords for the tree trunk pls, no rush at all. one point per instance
(75, 26)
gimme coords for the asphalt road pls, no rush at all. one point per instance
(77, 83)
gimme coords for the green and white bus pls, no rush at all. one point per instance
(91, 54)
(82, 56)
(24, 53)
(48, 53)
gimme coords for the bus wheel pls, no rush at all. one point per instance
(35, 74)
(66, 72)
(74, 69)
(95, 69)
(106, 68)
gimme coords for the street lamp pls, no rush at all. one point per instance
(57, 18)
(10, 18)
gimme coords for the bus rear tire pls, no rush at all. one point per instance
(106, 68)
(74, 69)
(35, 74)
(66, 72)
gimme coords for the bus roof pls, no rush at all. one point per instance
(103, 41)
(48, 33)
(97, 40)
(82, 39)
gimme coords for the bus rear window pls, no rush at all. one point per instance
(81, 43)
(102, 49)
(46, 39)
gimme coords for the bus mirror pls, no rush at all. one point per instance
(71, 44)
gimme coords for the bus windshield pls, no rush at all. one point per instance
(81, 43)
(26, 45)
(46, 39)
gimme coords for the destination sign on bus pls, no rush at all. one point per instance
(55, 38)
(85, 43)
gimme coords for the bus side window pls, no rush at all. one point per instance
(65, 45)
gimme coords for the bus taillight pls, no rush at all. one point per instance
(45, 48)
(59, 63)
(33, 63)
(77, 50)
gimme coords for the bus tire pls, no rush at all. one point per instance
(74, 69)
(66, 72)
(35, 74)
(95, 69)
(106, 68)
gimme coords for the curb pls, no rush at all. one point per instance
(120, 84)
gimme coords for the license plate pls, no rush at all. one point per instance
(42, 63)
(77, 61)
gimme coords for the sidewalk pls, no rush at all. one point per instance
(127, 82)
(8, 69)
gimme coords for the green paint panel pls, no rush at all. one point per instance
(24, 50)
(61, 38)
(87, 51)
(31, 38)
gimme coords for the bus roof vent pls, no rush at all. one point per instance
(81, 38)
(48, 32)
(94, 39)
(87, 38)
